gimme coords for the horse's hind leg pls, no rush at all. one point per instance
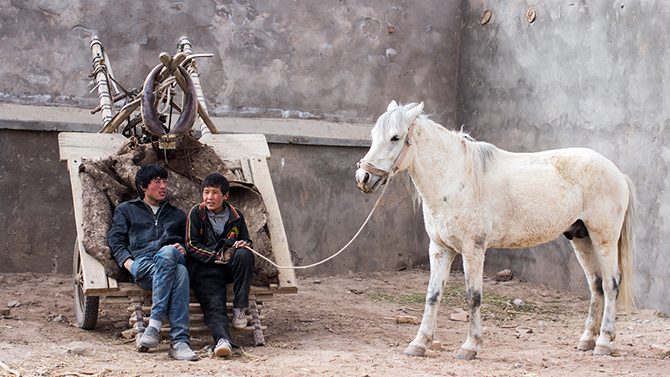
(440, 265)
(607, 256)
(585, 255)
(473, 268)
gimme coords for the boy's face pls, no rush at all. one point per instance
(214, 198)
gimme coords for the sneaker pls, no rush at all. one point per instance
(239, 318)
(222, 348)
(182, 351)
(150, 338)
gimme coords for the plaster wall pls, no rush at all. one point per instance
(588, 74)
(304, 60)
(336, 60)
(582, 73)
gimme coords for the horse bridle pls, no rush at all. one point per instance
(369, 168)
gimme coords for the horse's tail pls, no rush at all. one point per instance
(626, 251)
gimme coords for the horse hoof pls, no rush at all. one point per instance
(464, 354)
(414, 351)
(602, 351)
(586, 345)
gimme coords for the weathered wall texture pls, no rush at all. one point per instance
(36, 218)
(590, 74)
(329, 60)
(582, 74)
(335, 61)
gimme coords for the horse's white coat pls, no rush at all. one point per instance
(476, 196)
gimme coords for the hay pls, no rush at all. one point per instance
(107, 183)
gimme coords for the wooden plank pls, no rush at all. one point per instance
(236, 146)
(94, 278)
(280, 250)
(78, 145)
(246, 169)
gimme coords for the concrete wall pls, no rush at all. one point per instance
(296, 60)
(37, 230)
(590, 74)
(320, 205)
(302, 59)
(582, 74)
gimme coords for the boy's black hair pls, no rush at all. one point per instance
(146, 174)
(215, 180)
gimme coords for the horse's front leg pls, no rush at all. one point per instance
(440, 264)
(473, 268)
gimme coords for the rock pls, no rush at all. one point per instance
(524, 330)
(408, 319)
(13, 304)
(61, 318)
(356, 291)
(459, 315)
(662, 349)
(5, 312)
(79, 348)
(504, 275)
(436, 345)
(127, 334)
(518, 302)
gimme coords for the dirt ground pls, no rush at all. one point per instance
(342, 325)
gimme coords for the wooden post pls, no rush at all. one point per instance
(101, 80)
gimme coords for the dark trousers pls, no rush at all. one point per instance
(209, 283)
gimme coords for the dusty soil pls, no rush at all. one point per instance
(341, 325)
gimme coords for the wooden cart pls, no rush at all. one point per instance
(245, 152)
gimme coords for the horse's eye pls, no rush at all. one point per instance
(395, 138)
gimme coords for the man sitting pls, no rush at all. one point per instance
(216, 241)
(145, 238)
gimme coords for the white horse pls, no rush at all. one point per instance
(476, 196)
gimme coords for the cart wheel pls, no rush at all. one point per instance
(85, 307)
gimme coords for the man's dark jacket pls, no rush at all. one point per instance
(136, 231)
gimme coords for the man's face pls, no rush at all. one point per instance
(214, 198)
(155, 191)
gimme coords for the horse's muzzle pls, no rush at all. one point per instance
(368, 182)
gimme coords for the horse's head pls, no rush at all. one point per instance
(390, 151)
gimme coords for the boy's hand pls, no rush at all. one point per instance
(241, 243)
(180, 248)
(128, 264)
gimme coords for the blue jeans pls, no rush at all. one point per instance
(166, 275)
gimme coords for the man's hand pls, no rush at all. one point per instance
(180, 248)
(241, 243)
(128, 263)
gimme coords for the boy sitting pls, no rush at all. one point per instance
(216, 241)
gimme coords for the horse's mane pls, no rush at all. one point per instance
(479, 155)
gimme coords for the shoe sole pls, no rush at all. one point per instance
(223, 352)
(193, 358)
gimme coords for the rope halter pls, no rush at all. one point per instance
(369, 168)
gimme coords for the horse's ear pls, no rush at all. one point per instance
(391, 105)
(415, 111)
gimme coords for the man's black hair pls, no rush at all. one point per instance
(146, 174)
(215, 180)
